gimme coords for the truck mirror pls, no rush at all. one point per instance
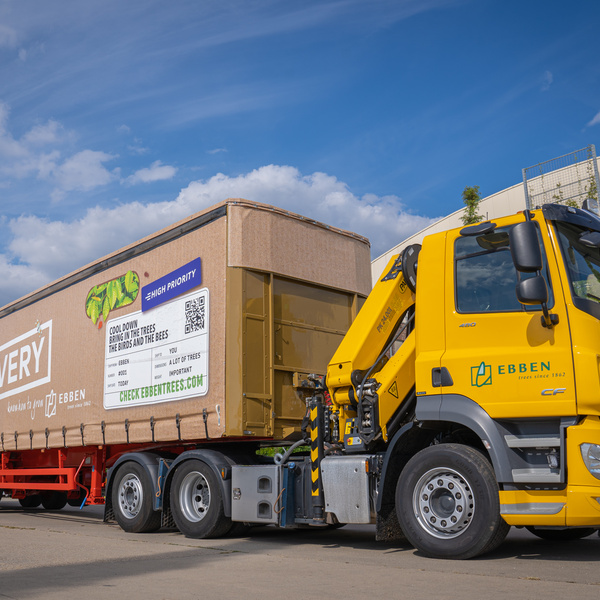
(532, 291)
(525, 248)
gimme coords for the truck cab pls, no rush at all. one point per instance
(484, 345)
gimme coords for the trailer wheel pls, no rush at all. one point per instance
(197, 501)
(132, 500)
(447, 503)
(76, 502)
(562, 535)
(53, 500)
(31, 501)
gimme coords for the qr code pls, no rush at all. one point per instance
(195, 315)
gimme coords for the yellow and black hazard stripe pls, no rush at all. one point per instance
(316, 455)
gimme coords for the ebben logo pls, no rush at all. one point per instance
(50, 405)
(481, 375)
(72, 399)
(25, 361)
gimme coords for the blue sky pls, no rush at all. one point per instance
(117, 118)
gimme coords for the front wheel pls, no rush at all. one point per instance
(447, 503)
(197, 501)
(132, 500)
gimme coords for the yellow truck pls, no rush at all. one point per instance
(457, 398)
(486, 415)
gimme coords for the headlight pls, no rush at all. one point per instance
(591, 458)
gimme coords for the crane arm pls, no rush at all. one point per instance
(367, 380)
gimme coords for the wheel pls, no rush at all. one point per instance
(32, 501)
(76, 501)
(197, 501)
(447, 503)
(53, 500)
(132, 500)
(562, 535)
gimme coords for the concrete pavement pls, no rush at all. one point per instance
(71, 553)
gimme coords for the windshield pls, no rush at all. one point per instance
(583, 267)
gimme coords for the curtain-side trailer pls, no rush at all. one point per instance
(158, 367)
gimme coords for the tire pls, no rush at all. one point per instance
(562, 535)
(447, 503)
(132, 494)
(197, 501)
(53, 500)
(76, 502)
(32, 501)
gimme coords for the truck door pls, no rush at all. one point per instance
(498, 352)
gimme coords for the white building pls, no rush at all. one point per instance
(557, 180)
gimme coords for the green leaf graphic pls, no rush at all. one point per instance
(94, 311)
(110, 295)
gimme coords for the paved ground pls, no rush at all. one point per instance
(72, 554)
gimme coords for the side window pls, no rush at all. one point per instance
(485, 275)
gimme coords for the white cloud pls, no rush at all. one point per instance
(84, 171)
(43, 250)
(36, 152)
(4, 112)
(8, 37)
(138, 149)
(50, 133)
(18, 280)
(594, 121)
(46, 163)
(319, 196)
(156, 172)
(547, 80)
(29, 154)
(9, 147)
(42, 164)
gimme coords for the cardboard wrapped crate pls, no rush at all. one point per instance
(193, 333)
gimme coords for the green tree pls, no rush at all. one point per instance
(471, 198)
(592, 190)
